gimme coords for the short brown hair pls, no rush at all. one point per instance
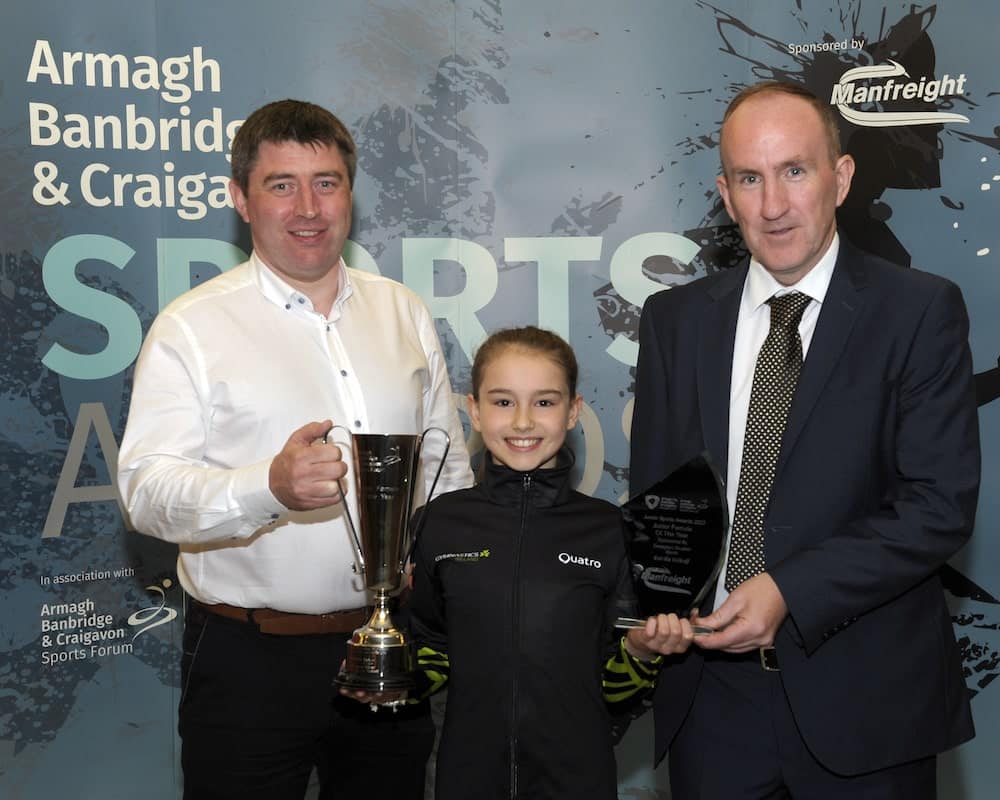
(289, 121)
(536, 340)
(827, 118)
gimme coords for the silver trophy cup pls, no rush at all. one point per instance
(380, 657)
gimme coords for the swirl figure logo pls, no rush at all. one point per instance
(153, 616)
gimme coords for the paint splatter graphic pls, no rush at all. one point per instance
(888, 159)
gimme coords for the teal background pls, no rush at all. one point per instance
(547, 162)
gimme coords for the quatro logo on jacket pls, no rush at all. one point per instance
(583, 561)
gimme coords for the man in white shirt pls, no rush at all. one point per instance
(237, 384)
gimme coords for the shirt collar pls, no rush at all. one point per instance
(285, 295)
(762, 286)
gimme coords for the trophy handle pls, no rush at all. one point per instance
(423, 512)
(347, 510)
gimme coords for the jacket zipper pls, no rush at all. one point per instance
(516, 633)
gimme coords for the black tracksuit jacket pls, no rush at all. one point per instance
(517, 584)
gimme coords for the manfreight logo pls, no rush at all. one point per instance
(877, 86)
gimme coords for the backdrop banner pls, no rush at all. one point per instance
(547, 163)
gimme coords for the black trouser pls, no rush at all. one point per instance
(258, 712)
(740, 742)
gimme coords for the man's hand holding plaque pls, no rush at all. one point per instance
(676, 531)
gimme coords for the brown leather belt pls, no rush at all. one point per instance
(283, 623)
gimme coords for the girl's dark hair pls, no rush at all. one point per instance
(537, 340)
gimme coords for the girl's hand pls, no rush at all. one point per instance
(664, 634)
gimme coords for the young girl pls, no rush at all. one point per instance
(517, 584)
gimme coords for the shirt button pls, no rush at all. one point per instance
(357, 423)
(343, 372)
(288, 305)
(302, 300)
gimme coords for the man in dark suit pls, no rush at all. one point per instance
(833, 671)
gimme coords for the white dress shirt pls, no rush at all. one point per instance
(228, 371)
(752, 326)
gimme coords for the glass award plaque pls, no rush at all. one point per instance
(677, 531)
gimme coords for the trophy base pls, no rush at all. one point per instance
(379, 657)
(377, 669)
(373, 684)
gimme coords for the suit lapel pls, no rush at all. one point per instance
(716, 337)
(841, 306)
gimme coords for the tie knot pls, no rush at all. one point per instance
(786, 309)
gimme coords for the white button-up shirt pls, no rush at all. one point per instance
(227, 373)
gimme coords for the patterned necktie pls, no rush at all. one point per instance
(774, 379)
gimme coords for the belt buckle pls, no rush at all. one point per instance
(769, 659)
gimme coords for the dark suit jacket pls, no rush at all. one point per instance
(875, 488)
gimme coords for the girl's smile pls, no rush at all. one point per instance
(524, 409)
